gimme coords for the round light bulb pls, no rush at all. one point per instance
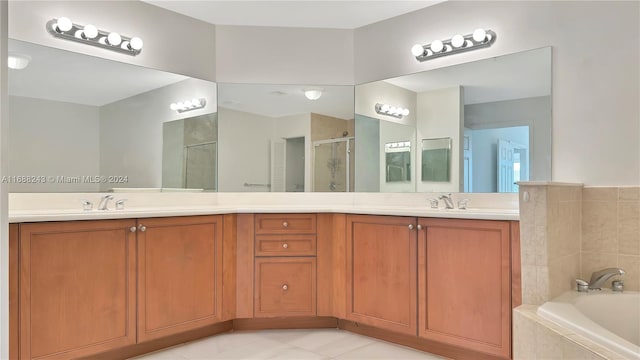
(63, 24)
(392, 110)
(384, 108)
(479, 35)
(90, 32)
(173, 106)
(187, 104)
(135, 43)
(114, 39)
(417, 50)
(437, 46)
(195, 102)
(405, 112)
(180, 106)
(399, 111)
(457, 41)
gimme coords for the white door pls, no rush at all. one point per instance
(505, 166)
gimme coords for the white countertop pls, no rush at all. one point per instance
(66, 207)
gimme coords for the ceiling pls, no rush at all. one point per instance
(284, 100)
(513, 76)
(59, 75)
(331, 14)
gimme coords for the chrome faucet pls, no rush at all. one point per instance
(104, 202)
(448, 202)
(599, 277)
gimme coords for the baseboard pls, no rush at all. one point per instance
(285, 323)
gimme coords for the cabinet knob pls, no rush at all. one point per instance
(132, 229)
(285, 287)
(419, 227)
(143, 228)
(285, 245)
(410, 226)
(285, 224)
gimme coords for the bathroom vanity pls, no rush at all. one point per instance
(114, 288)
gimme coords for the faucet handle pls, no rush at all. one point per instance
(120, 204)
(86, 205)
(582, 285)
(617, 285)
(434, 203)
(462, 204)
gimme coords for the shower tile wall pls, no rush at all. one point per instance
(611, 232)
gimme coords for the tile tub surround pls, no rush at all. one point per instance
(537, 338)
(611, 232)
(550, 222)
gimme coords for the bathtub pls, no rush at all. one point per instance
(607, 318)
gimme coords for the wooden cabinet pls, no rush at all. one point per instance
(382, 272)
(77, 288)
(464, 284)
(285, 265)
(179, 274)
(285, 287)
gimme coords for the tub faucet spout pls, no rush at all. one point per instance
(599, 277)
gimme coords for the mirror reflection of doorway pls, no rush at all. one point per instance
(288, 164)
(200, 166)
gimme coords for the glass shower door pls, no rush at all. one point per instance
(333, 166)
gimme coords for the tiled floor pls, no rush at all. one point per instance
(289, 345)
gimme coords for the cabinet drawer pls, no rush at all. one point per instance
(285, 287)
(285, 224)
(285, 245)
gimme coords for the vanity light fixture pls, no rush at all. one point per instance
(395, 111)
(188, 105)
(313, 94)
(480, 38)
(64, 28)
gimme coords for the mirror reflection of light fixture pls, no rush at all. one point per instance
(480, 38)
(89, 34)
(18, 61)
(313, 94)
(395, 111)
(188, 105)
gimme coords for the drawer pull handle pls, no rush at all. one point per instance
(410, 226)
(143, 228)
(285, 245)
(285, 287)
(419, 227)
(132, 229)
(285, 224)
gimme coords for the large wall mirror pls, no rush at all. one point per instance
(494, 113)
(81, 124)
(286, 138)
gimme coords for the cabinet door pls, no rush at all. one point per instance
(285, 287)
(382, 272)
(179, 274)
(464, 284)
(77, 288)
